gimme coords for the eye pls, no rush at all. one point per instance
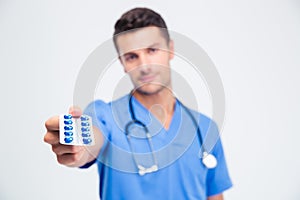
(152, 50)
(130, 57)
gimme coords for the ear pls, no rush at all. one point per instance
(171, 49)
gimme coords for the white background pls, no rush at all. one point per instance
(255, 46)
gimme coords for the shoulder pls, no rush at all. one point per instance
(207, 127)
(104, 106)
(105, 112)
(204, 121)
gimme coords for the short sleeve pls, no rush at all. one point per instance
(218, 179)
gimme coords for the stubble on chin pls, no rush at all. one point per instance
(159, 87)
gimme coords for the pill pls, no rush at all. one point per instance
(84, 118)
(68, 122)
(68, 139)
(67, 116)
(76, 131)
(68, 133)
(68, 128)
(85, 124)
(84, 129)
(86, 140)
(86, 134)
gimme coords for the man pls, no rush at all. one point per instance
(145, 50)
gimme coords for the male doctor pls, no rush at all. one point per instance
(145, 49)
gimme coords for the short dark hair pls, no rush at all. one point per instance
(140, 18)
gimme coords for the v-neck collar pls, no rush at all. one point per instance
(145, 116)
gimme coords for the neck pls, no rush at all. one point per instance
(160, 104)
(164, 99)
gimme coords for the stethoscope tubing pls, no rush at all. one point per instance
(134, 120)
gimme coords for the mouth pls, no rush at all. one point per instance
(147, 78)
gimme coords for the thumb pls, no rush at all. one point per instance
(75, 111)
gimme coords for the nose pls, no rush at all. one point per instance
(144, 63)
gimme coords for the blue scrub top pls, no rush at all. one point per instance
(181, 173)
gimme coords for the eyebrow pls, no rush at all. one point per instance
(154, 45)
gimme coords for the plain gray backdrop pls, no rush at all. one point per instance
(255, 46)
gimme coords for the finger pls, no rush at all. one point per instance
(60, 149)
(52, 124)
(52, 137)
(75, 111)
(69, 159)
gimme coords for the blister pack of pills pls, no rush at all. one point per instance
(76, 131)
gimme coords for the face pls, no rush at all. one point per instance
(145, 56)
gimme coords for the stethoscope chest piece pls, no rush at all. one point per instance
(209, 160)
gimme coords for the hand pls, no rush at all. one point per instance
(69, 155)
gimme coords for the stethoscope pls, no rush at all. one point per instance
(208, 159)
